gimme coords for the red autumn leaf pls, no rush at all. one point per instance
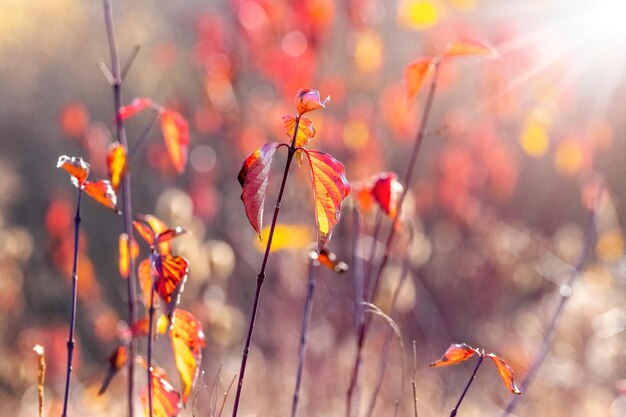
(456, 353)
(76, 166)
(102, 192)
(467, 47)
(506, 373)
(138, 105)
(165, 399)
(330, 187)
(176, 134)
(117, 360)
(141, 326)
(169, 234)
(386, 191)
(124, 258)
(171, 274)
(116, 163)
(155, 232)
(416, 74)
(188, 339)
(329, 260)
(308, 100)
(253, 178)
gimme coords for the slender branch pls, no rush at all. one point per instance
(41, 376)
(589, 240)
(126, 196)
(232, 381)
(129, 61)
(261, 276)
(308, 309)
(132, 152)
(357, 269)
(413, 379)
(469, 383)
(370, 261)
(149, 353)
(70, 340)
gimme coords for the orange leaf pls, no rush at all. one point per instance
(363, 194)
(468, 47)
(102, 192)
(76, 167)
(138, 104)
(308, 100)
(330, 187)
(171, 274)
(176, 134)
(169, 234)
(165, 399)
(306, 132)
(386, 191)
(141, 326)
(155, 232)
(253, 178)
(116, 163)
(187, 342)
(329, 260)
(416, 74)
(124, 259)
(456, 353)
(506, 373)
(117, 360)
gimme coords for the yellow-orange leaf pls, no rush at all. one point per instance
(116, 163)
(124, 258)
(306, 132)
(187, 342)
(456, 353)
(308, 100)
(155, 232)
(176, 134)
(76, 166)
(330, 187)
(254, 178)
(329, 260)
(362, 193)
(416, 74)
(506, 373)
(102, 192)
(146, 280)
(165, 399)
(117, 360)
(468, 47)
(171, 275)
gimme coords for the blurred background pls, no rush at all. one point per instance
(498, 199)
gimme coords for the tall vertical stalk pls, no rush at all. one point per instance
(126, 195)
(469, 383)
(261, 276)
(362, 331)
(70, 340)
(149, 353)
(308, 309)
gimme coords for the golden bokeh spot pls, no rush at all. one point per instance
(368, 51)
(418, 14)
(610, 246)
(534, 139)
(355, 135)
(569, 158)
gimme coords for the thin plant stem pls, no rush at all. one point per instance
(308, 309)
(370, 261)
(41, 376)
(413, 380)
(132, 152)
(362, 332)
(126, 197)
(70, 340)
(261, 276)
(469, 383)
(149, 353)
(566, 290)
(357, 269)
(232, 381)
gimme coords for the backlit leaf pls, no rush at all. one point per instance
(165, 398)
(117, 360)
(468, 47)
(253, 177)
(102, 192)
(386, 191)
(76, 166)
(176, 134)
(169, 234)
(329, 260)
(308, 100)
(306, 132)
(416, 74)
(188, 339)
(138, 105)
(116, 163)
(330, 187)
(362, 193)
(142, 326)
(124, 258)
(506, 373)
(150, 227)
(171, 274)
(146, 280)
(456, 353)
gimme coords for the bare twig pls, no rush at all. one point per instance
(129, 61)
(41, 375)
(232, 381)
(413, 379)
(469, 383)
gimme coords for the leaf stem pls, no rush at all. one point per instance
(126, 196)
(413, 379)
(149, 353)
(589, 242)
(469, 383)
(70, 340)
(308, 309)
(261, 276)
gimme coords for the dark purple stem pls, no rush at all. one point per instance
(469, 383)
(261, 276)
(308, 309)
(150, 335)
(126, 196)
(70, 339)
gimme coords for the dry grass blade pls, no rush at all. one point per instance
(232, 381)
(199, 389)
(41, 375)
(374, 309)
(413, 379)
